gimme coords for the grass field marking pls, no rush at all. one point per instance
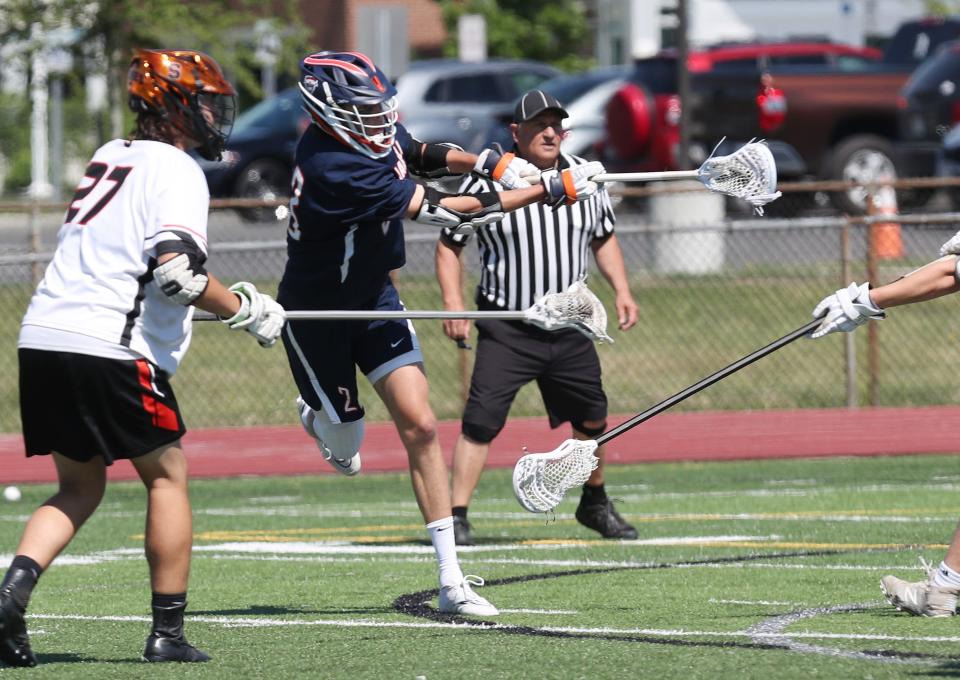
(906, 516)
(268, 622)
(714, 600)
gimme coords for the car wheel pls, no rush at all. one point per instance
(863, 159)
(266, 179)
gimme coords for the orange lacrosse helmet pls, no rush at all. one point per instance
(188, 89)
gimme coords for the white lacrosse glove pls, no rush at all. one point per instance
(951, 247)
(511, 171)
(845, 310)
(259, 314)
(571, 185)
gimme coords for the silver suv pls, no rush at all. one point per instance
(444, 100)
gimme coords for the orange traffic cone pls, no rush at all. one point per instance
(885, 237)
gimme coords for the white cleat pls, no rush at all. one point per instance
(460, 599)
(345, 466)
(921, 598)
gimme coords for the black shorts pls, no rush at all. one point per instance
(324, 356)
(83, 406)
(512, 353)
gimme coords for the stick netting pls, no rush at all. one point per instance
(540, 480)
(576, 307)
(749, 173)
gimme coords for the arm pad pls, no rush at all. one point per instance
(182, 278)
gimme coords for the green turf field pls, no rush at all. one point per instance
(749, 569)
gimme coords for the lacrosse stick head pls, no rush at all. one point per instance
(749, 173)
(540, 480)
(576, 307)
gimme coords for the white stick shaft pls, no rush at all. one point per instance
(644, 176)
(373, 315)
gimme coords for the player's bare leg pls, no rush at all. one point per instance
(169, 539)
(469, 459)
(596, 510)
(48, 531)
(405, 393)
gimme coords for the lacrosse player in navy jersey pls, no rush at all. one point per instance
(108, 326)
(351, 190)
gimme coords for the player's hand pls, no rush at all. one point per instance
(951, 247)
(845, 310)
(571, 185)
(457, 329)
(508, 169)
(627, 311)
(259, 314)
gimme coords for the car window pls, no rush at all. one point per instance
(796, 59)
(657, 74)
(521, 81)
(850, 62)
(915, 41)
(280, 113)
(739, 65)
(930, 75)
(480, 87)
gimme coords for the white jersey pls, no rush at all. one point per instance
(100, 281)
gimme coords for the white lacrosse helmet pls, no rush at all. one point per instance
(351, 99)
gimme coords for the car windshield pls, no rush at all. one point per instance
(279, 113)
(567, 89)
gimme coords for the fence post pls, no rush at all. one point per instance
(873, 335)
(849, 345)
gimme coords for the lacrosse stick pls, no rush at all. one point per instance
(749, 173)
(576, 307)
(540, 480)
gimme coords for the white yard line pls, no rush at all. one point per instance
(266, 622)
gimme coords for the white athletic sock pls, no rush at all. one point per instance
(441, 535)
(945, 576)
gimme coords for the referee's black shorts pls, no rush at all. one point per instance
(512, 353)
(83, 406)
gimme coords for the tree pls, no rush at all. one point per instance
(556, 32)
(102, 36)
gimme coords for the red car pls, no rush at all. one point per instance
(643, 116)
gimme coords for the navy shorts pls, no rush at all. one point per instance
(324, 356)
(512, 353)
(83, 406)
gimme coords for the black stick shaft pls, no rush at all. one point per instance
(706, 382)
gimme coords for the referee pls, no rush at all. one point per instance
(534, 251)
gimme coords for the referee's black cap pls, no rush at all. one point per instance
(535, 102)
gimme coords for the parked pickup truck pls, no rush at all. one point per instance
(836, 119)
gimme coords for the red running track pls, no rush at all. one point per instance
(701, 436)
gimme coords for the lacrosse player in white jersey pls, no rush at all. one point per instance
(851, 307)
(109, 324)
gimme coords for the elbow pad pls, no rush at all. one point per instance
(182, 278)
(430, 160)
(453, 221)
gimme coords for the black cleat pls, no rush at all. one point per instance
(14, 642)
(161, 648)
(461, 531)
(604, 518)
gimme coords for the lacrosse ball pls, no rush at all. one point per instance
(11, 493)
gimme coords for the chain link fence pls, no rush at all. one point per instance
(710, 290)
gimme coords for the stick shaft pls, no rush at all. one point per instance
(373, 315)
(706, 382)
(644, 176)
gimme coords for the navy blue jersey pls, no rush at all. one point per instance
(346, 229)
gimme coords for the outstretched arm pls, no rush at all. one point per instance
(449, 268)
(934, 280)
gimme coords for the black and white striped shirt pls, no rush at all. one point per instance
(535, 250)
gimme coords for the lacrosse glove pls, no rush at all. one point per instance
(845, 310)
(259, 314)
